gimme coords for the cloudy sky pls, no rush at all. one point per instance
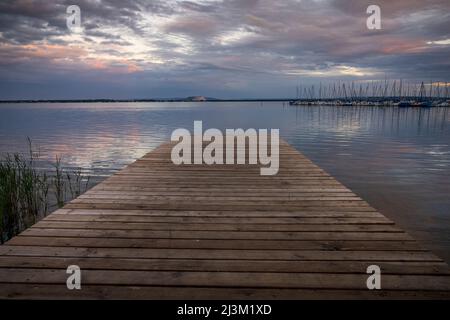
(216, 48)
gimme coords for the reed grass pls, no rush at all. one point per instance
(59, 183)
(24, 190)
(77, 182)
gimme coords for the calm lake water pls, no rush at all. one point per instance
(396, 159)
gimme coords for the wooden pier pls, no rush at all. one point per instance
(159, 231)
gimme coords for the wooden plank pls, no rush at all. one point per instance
(243, 235)
(214, 254)
(110, 263)
(223, 279)
(303, 214)
(41, 291)
(216, 227)
(346, 219)
(326, 245)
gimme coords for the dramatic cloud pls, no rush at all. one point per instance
(229, 48)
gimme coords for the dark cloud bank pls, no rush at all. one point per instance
(227, 49)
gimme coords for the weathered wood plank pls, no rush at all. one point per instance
(243, 235)
(165, 253)
(136, 218)
(216, 227)
(111, 263)
(326, 245)
(224, 279)
(41, 291)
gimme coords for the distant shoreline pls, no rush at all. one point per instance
(144, 100)
(294, 101)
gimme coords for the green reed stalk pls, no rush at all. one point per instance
(59, 183)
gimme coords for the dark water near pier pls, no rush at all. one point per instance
(396, 159)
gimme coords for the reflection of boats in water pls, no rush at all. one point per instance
(405, 104)
(421, 104)
(425, 104)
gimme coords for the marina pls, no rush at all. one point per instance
(385, 94)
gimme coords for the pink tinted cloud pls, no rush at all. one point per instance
(65, 57)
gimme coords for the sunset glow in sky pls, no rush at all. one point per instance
(216, 48)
